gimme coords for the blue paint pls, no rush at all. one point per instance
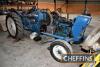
(79, 26)
(64, 31)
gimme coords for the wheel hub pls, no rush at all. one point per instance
(58, 51)
(11, 26)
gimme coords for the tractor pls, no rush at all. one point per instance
(41, 22)
(33, 20)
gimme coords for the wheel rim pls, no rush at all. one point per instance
(11, 26)
(58, 51)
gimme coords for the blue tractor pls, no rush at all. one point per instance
(32, 20)
(42, 22)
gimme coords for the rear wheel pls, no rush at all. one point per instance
(14, 26)
(58, 49)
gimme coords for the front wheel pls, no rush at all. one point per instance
(59, 48)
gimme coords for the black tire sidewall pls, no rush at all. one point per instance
(61, 44)
(10, 16)
(19, 34)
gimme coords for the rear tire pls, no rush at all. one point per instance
(14, 26)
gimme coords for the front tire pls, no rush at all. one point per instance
(59, 48)
(14, 26)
